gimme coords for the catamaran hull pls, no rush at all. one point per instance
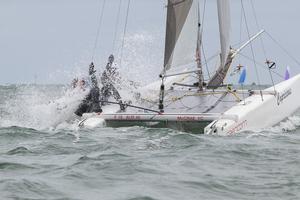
(91, 121)
(254, 113)
(188, 122)
(94, 120)
(258, 112)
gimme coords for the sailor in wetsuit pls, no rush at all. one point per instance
(91, 102)
(108, 78)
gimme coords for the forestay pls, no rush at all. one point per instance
(181, 33)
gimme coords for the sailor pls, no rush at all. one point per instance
(79, 83)
(74, 83)
(108, 78)
(91, 102)
(82, 84)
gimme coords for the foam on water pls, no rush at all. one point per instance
(290, 124)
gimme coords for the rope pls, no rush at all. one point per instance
(98, 29)
(216, 103)
(173, 99)
(252, 51)
(235, 95)
(116, 26)
(124, 34)
(129, 105)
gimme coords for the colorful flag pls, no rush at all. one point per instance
(287, 73)
(242, 76)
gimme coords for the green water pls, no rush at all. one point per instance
(44, 158)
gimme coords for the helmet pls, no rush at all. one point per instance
(111, 58)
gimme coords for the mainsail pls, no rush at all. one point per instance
(224, 27)
(226, 54)
(181, 33)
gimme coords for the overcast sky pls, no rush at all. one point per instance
(53, 39)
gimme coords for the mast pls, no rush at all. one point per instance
(198, 52)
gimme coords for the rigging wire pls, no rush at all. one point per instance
(262, 44)
(283, 49)
(98, 29)
(258, 28)
(203, 16)
(261, 65)
(206, 65)
(252, 50)
(116, 26)
(201, 32)
(124, 33)
(241, 29)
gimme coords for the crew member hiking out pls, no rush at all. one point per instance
(108, 78)
(91, 102)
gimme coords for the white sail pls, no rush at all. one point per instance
(181, 33)
(226, 54)
(224, 28)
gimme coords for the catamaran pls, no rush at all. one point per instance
(184, 99)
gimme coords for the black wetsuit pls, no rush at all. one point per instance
(91, 102)
(109, 76)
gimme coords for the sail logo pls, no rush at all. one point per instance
(283, 96)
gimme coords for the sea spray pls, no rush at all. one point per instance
(143, 57)
(40, 107)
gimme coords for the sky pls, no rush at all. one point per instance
(52, 41)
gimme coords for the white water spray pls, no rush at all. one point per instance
(41, 107)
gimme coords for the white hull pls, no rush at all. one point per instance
(251, 114)
(255, 114)
(93, 120)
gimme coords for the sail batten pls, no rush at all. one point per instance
(181, 33)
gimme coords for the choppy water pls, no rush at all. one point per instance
(42, 157)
